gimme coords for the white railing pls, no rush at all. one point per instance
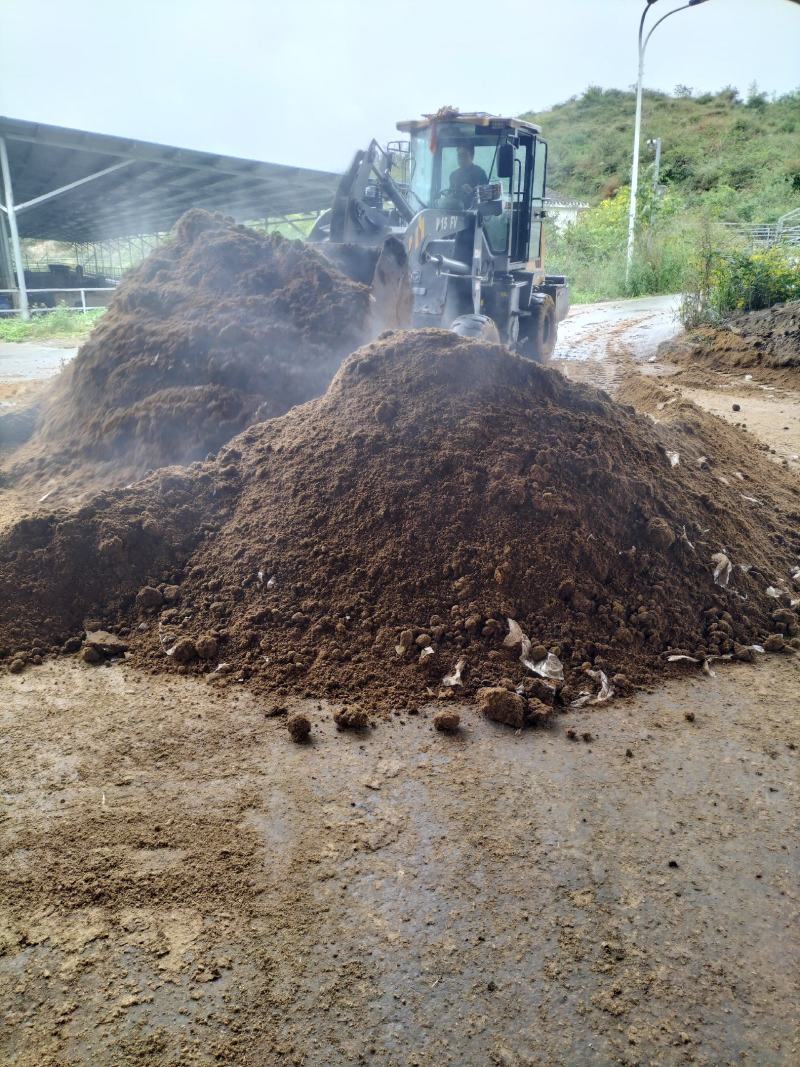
(84, 307)
(786, 231)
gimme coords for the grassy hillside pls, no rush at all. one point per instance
(723, 159)
(739, 158)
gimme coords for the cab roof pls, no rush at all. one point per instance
(469, 118)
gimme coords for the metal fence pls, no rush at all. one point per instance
(786, 231)
(82, 307)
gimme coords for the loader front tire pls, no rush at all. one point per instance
(540, 332)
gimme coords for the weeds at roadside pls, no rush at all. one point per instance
(49, 325)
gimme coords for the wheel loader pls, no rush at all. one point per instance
(447, 229)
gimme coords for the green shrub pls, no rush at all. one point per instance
(724, 284)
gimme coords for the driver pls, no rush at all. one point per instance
(468, 175)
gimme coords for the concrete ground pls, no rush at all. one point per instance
(182, 885)
(22, 361)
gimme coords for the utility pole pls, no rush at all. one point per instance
(638, 122)
(655, 143)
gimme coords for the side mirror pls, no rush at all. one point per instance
(505, 161)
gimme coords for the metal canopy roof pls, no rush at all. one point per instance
(116, 187)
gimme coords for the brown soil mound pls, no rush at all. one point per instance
(439, 488)
(768, 340)
(217, 328)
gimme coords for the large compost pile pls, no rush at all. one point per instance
(375, 542)
(220, 327)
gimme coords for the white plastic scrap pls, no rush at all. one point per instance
(706, 661)
(776, 594)
(605, 694)
(515, 636)
(454, 677)
(722, 571)
(752, 499)
(427, 651)
(606, 689)
(549, 667)
(685, 539)
(674, 458)
(260, 577)
(272, 582)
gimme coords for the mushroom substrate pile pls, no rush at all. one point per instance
(447, 518)
(219, 327)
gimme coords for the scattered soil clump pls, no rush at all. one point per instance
(299, 727)
(338, 553)
(446, 721)
(351, 718)
(499, 705)
(220, 327)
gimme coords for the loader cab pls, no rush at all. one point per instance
(513, 157)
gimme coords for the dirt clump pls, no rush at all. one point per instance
(331, 552)
(351, 717)
(220, 327)
(499, 705)
(447, 721)
(299, 727)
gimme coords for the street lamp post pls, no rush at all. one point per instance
(638, 122)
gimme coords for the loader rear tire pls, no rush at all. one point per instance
(541, 332)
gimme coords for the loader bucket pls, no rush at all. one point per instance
(385, 269)
(391, 288)
(356, 261)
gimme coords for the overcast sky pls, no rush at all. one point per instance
(309, 81)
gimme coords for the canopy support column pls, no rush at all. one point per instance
(8, 192)
(6, 267)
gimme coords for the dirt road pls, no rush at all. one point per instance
(603, 343)
(590, 331)
(181, 885)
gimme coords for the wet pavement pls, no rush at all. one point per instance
(644, 323)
